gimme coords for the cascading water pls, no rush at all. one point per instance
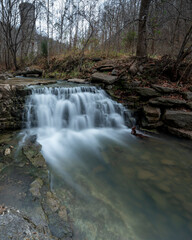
(72, 123)
(74, 108)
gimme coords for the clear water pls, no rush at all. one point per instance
(115, 186)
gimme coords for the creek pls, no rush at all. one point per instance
(114, 185)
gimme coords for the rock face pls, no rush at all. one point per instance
(178, 119)
(29, 72)
(103, 78)
(12, 100)
(152, 114)
(14, 225)
(167, 102)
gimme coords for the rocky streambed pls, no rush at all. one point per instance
(28, 207)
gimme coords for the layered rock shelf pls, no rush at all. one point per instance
(13, 93)
(157, 107)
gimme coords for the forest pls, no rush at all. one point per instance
(51, 28)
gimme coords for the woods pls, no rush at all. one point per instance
(49, 28)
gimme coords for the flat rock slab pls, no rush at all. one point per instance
(29, 72)
(103, 78)
(164, 90)
(147, 92)
(167, 102)
(14, 225)
(26, 81)
(77, 80)
(178, 119)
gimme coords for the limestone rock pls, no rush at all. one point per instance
(103, 78)
(154, 125)
(77, 80)
(152, 114)
(28, 72)
(178, 119)
(7, 151)
(147, 92)
(53, 202)
(35, 187)
(14, 225)
(167, 102)
(105, 68)
(164, 90)
(32, 152)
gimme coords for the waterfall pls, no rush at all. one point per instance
(74, 125)
(75, 108)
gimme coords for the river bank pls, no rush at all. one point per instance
(158, 104)
(31, 210)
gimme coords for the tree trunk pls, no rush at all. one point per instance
(142, 31)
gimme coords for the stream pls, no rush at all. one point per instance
(114, 185)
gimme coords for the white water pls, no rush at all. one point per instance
(73, 123)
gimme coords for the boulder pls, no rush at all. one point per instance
(114, 72)
(152, 114)
(147, 92)
(187, 95)
(167, 102)
(178, 119)
(103, 78)
(77, 80)
(30, 72)
(165, 90)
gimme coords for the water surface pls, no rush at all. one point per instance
(114, 185)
